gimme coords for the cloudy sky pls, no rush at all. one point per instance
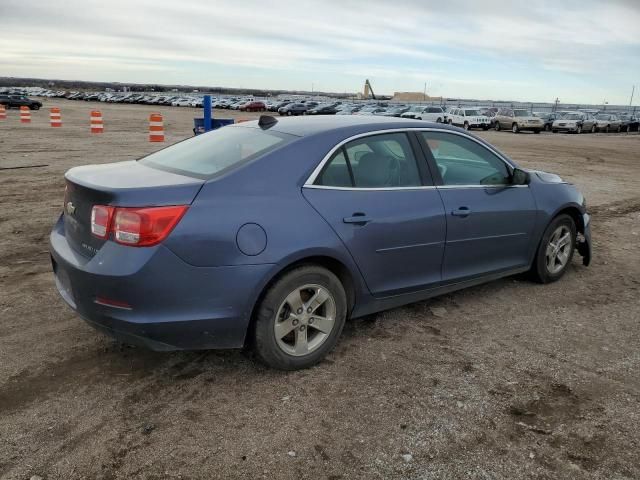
(580, 51)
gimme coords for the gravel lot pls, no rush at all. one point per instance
(507, 380)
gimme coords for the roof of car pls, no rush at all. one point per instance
(311, 125)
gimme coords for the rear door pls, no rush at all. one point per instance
(377, 195)
(489, 221)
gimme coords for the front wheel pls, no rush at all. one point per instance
(619, 128)
(300, 318)
(498, 126)
(450, 122)
(555, 250)
(536, 131)
(514, 128)
(579, 129)
(547, 127)
(593, 129)
(438, 120)
(466, 126)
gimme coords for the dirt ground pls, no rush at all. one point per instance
(507, 380)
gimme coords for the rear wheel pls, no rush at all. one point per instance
(555, 250)
(438, 120)
(606, 129)
(536, 131)
(579, 129)
(450, 122)
(300, 318)
(593, 128)
(547, 127)
(497, 126)
(628, 128)
(466, 125)
(619, 128)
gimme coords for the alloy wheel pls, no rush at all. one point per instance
(559, 249)
(305, 320)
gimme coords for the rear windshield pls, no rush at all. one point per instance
(212, 153)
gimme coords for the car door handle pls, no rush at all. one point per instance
(357, 218)
(461, 212)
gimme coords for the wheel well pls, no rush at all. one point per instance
(575, 214)
(334, 266)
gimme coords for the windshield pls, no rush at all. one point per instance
(471, 113)
(572, 116)
(416, 109)
(211, 153)
(521, 113)
(602, 117)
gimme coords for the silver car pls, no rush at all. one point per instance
(575, 122)
(607, 122)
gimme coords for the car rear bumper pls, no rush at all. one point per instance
(151, 297)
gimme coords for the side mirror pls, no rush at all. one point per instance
(519, 177)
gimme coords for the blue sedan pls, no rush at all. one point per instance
(272, 233)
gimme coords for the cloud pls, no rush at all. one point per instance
(404, 42)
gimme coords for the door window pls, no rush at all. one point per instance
(378, 161)
(462, 161)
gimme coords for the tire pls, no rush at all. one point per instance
(286, 353)
(628, 128)
(606, 129)
(466, 125)
(554, 131)
(579, 129)
(536, 131)
(498, 126)
(289, 113)
(541, 271)
(485, 127)
(450, 122)
(34, 107)
(438, 120)
(547, 127)
(514, 128)
(619, 128)
(593, 128)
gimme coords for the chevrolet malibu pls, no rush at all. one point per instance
(272, 233)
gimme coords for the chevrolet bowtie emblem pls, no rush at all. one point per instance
(70, 208)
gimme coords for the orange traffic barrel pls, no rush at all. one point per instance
(96, 122)
(54, 117)
(3, 113)
(25, 114)
(156, 128)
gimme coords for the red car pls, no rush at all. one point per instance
(253, 107)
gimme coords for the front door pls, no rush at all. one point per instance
(381, 202)
(489, 221)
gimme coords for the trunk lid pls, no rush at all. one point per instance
(123, 184)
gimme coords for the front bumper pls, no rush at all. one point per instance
(173, 305)
(565, 128)
(584, 244)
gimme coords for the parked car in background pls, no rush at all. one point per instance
(432, 114)
(548, 118)
(253, 106)
(326, 109)
(293, 109)
(17, 101)
(367, 236)
(369, 110)
(575, 122)
(517, 120)
(349, 109)
(413, 110)
(395, 111)
(490, 113)
(607, 122)
(467, 118)
(278, 105)
(629, 123)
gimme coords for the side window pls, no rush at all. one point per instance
(336, 172)
(462, 161)
(377, 161)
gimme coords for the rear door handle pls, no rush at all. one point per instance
(461, 212)
(357, 218)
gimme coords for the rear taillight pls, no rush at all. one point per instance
(101, 220)
(138, 227)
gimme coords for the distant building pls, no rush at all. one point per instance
(414, 97)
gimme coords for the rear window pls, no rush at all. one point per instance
(213, 153)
